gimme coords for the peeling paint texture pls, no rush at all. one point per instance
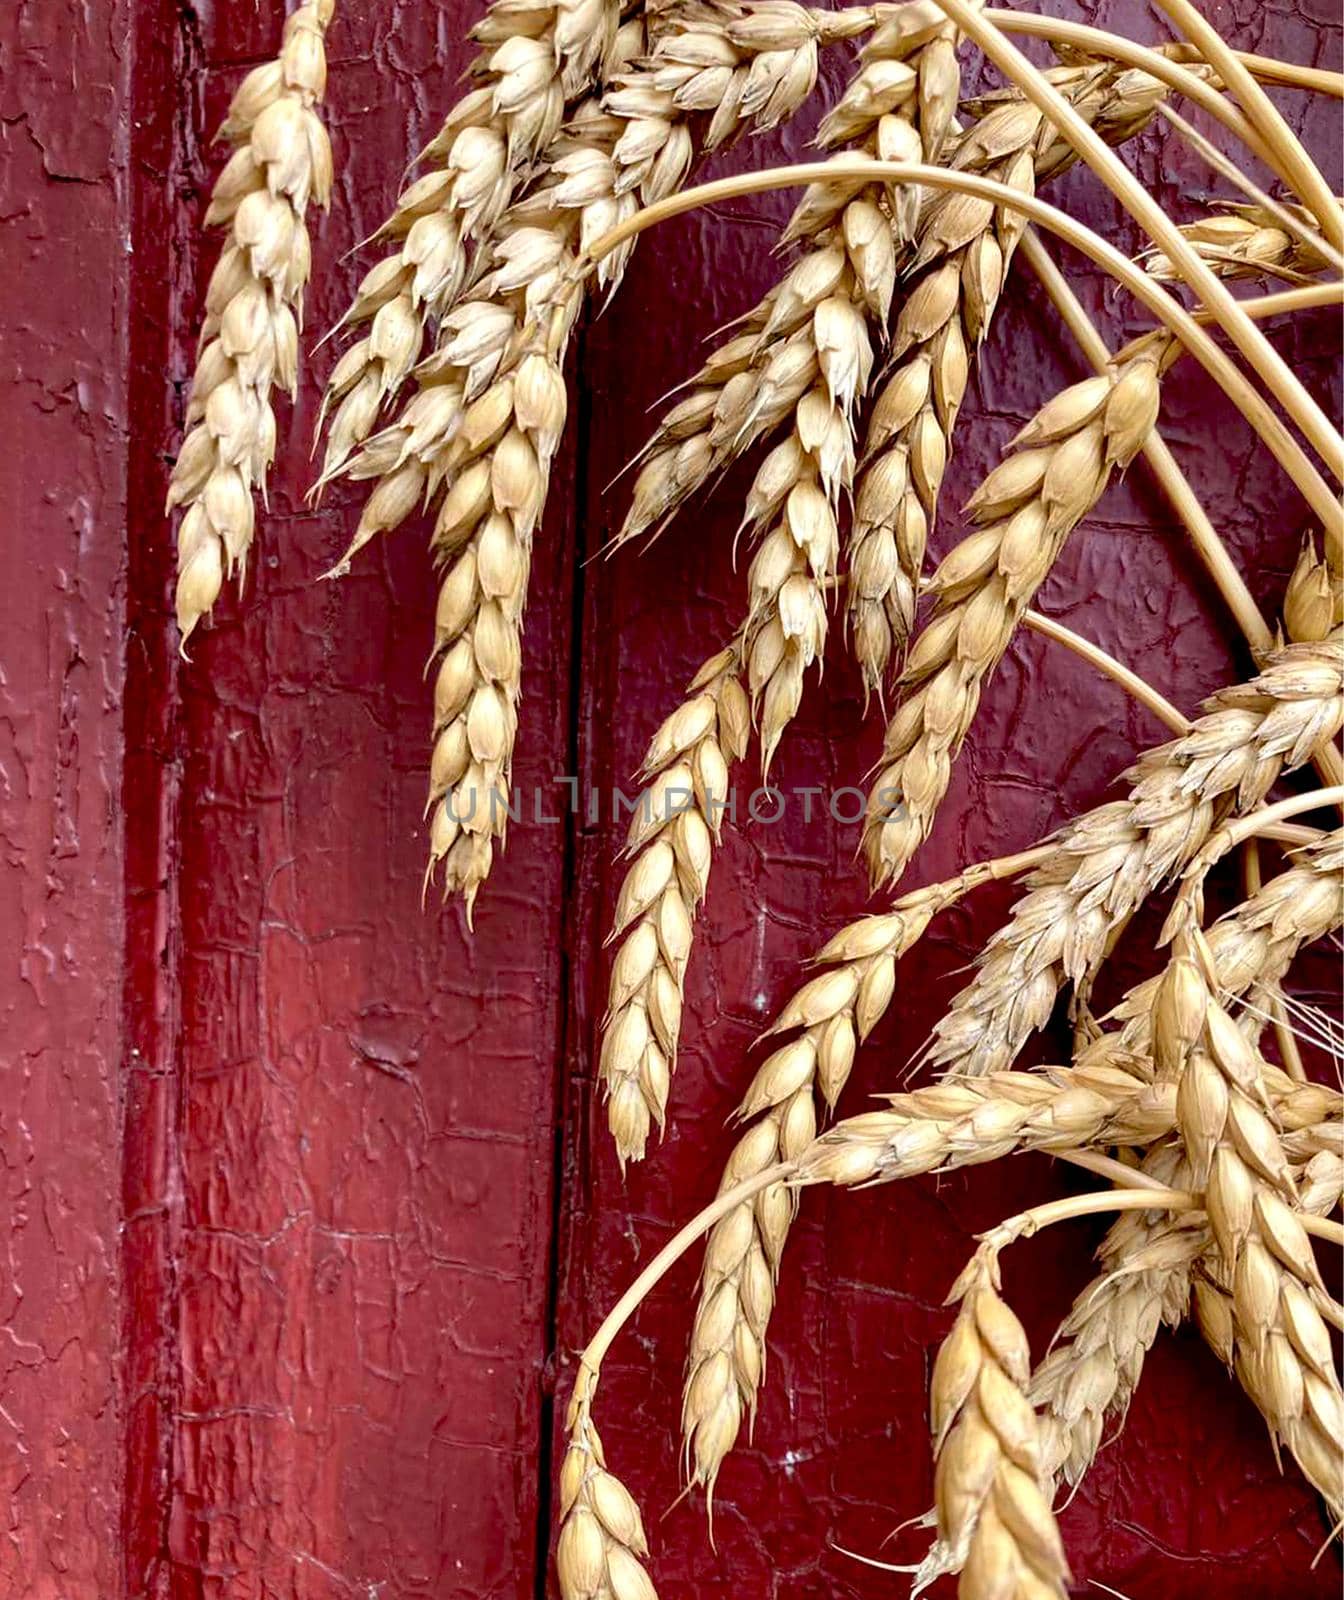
(307, 1198)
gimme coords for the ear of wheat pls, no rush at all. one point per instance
(253, 308)
(1025, 510)
(993, 1513)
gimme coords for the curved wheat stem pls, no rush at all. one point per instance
(1025, 510)
(1108, 861)
(254, 307)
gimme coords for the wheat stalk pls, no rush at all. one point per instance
(966, 246)
(960, 1122)
(253, 308)
(671, 839)
(1025, 510)
(1107, 861)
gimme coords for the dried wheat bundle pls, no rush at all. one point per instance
(1247, 241)
(1024, 511)
(253, 308)
(581, 126)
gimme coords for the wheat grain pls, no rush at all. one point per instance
(602, 1547)
(991, 1503)
(254, 307)
(1314, 603)
(1024, 510)
(671, 840)
(1245, 241)
(1108, 860)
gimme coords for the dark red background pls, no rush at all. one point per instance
(307, 1198)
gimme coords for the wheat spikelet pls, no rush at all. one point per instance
(1097, 1357)
(1148, 1257)
(535, 59)
(991, 1503)
(254, 306)
(1024, 510)
(1270, 1331)
(602, 1545)
(1111, 858)
(672, 834)
(1245, 241)
(1314, 604)
(1279, 1343)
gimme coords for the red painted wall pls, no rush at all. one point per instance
(307, 1202)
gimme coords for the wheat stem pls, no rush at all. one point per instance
(1271, 367)
(1094, 655)
(1251, 404)
(1303, 174)
(1253, 879)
